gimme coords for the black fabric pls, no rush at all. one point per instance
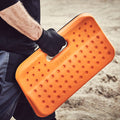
(13, 41)
(14, 61)
(6, 3)
(51, 42)
(24, 111)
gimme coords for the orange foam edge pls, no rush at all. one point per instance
(26, 65)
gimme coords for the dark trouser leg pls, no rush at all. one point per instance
(24, 111)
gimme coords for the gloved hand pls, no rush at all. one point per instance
(51, 42)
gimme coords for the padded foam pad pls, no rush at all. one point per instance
(48, 84)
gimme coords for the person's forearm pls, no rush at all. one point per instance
(18, 17)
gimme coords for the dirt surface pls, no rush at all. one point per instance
(99, 99)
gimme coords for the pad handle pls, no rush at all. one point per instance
(49, 58)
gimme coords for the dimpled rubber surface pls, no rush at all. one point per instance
(48, 84)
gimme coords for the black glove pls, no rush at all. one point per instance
(51, 42)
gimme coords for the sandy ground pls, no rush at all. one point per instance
(99, 99)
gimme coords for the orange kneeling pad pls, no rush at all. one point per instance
(48, 84)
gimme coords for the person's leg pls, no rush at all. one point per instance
(9, 90)
(8, 111)
(11, 100)
(24, 111)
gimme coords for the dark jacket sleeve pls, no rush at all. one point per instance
(6, 3)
